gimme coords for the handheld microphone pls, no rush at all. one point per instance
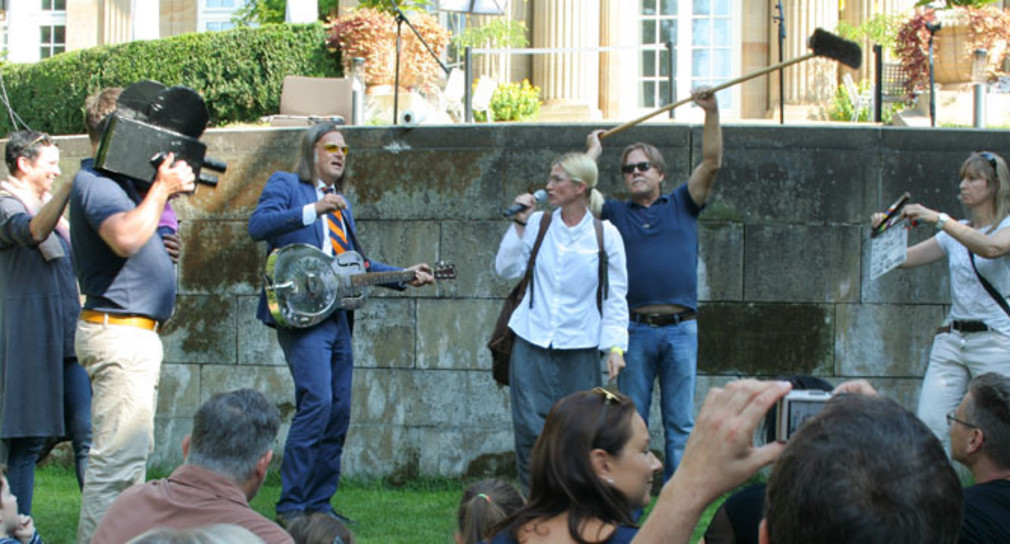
(540, 196)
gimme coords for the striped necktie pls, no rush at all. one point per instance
(335, 228)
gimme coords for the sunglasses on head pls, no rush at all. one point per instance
(640, 166)
(333, 148)
(989, 157)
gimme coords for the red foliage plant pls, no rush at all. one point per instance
(371, 34)
(987, 27)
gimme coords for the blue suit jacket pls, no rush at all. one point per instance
(278, 220)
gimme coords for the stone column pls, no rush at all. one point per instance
(617, 68)
(812, 81)
(82, 24)
(857, 12)
(115, 19)
(569, 81)
(177, 17)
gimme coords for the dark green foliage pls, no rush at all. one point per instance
(238, 72)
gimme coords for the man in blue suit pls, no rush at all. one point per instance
(306, 207)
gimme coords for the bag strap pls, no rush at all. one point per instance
(545, 222)
(603, 278)
(988, 286)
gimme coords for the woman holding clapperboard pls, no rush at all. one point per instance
(975, 336)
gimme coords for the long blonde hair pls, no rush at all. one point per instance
(993, 169)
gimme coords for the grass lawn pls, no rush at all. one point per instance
(420, 512)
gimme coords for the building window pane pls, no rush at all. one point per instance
(701, 32)
(60, 5)
(668, 30)
(59, 49)
(648, 63)
(720, 33)
(664, 62)
(701, 63)
(46, 35)
(702, 7)
(648, 7)
(669, 7)
(649, 94)
(649, 31)
(664, 93)
(59, 34)
(721, 63)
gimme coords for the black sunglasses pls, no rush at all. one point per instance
(989, 157)
(641, 166)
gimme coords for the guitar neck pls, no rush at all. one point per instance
(378, 278)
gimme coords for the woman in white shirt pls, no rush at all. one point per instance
(975, 336)
(561, 330)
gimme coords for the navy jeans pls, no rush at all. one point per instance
(671, 354)
(24, 451)
(321, 365)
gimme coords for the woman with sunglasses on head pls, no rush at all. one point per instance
(975, 336)
(590, 468)
(574, 306)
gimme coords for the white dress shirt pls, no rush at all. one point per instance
(564, 313)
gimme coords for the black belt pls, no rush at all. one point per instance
(663, 320)
(964, 327)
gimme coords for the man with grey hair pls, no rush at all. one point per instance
(227, 456)
(980, 440)
(308, 207)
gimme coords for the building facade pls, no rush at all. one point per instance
(592, 59)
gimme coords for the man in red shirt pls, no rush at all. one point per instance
(227, 456)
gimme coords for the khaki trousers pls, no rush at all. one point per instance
(124, 364)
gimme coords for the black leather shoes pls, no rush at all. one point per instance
(337, 516)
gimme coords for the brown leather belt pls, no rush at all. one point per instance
(139, 321)
(663, 320)
(964, 327)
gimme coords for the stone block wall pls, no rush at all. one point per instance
(784, 271)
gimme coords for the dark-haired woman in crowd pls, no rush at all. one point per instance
(975, 336)
(590, 468)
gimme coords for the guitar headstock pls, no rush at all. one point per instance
(444, 271)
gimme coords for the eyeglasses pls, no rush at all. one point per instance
(951, 419)
(989, 157)
(333, 148)
(641, 166)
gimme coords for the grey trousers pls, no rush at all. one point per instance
(538, 378)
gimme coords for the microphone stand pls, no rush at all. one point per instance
(932, 27)
(781, 20)
(400, 19)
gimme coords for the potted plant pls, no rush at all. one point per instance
(966, 25)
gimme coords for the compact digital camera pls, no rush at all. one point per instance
(797, 407)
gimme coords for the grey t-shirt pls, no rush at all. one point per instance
(143, 284)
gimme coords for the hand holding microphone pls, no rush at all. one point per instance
(525, 202)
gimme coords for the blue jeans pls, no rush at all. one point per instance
(670, 354)
(24, 452)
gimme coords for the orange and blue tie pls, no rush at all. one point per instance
(335, 228)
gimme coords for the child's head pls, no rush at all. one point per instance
(319, 529)
(8, 505)
(484, 505)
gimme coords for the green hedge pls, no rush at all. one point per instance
(238, 72)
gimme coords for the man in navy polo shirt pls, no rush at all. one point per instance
(660, 234)
(126, 274)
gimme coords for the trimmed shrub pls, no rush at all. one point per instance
(238, 72)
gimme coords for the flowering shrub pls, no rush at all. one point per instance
(371, 34)
(514, 102)
(988, 28)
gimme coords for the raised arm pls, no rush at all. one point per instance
(127, 232)
(978, 243)
(45, 221)
(700, 183)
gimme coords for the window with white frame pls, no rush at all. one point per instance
(216, 15)
(52, 28)
(703, 49)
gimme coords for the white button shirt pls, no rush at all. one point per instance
(564, 313)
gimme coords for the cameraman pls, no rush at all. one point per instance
(126, 274)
